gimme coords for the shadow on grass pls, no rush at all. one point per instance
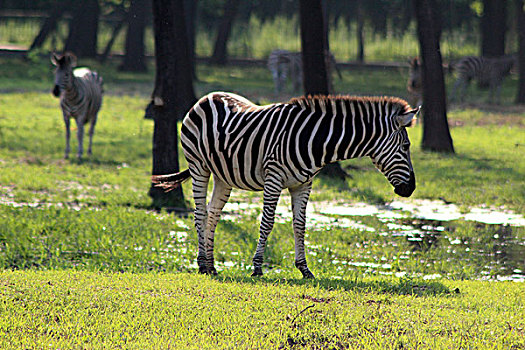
(401, 286)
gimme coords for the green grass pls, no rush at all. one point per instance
(258, 38)
(99, 269)
(65, 309)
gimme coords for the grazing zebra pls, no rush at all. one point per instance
(414, 83)
(284, 145)
(80, 92)
(283, 64)
(488, 71)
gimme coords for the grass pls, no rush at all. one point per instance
(87, 264)
(66, 309)
(258, 38)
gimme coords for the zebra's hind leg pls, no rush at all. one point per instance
(200, 179)
(221, 194)
(91, 132)
(271, 193)
(300, 197)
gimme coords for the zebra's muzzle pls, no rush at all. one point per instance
(56, 91)
(406, 189)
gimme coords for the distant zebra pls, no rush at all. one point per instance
(284, 145)
(488, 71)
(80, 92)
(283, 64)
(415, 83)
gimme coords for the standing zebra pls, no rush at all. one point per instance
(284, 145)
(80, 92)
(488, 71)
(283, 64)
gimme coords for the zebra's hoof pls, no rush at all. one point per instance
(307, 274)
(257, 272)
(211, 271)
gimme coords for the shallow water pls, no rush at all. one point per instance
(489, 243)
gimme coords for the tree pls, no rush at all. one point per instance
(220, 51)
(83, 29)
(520, 26)
(359, 31)
(493, 28)
(314, 49)
(173, 94)
(49, 25)
(134, 58)
(436, 134)
(190, 8)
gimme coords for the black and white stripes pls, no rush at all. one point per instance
(285, 145)
(80, 93)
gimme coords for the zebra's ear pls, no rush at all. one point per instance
(408, 118)
(54, 59)
(71, 59)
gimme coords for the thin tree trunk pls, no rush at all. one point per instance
(314, 42)
(48, 26)
(313, 47)
(116, 30)
(173, 94)
(436, 134)
(520, 27)
(493, 28)
(220, 51)
(134, 57)
(360, 34)
(83, 29)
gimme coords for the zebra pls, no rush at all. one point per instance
(283, 64)
(283, 146)
(414, 83)
(80, 93)
(489, 71)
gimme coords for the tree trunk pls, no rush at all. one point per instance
(48, 26)
(360, 34)
(314, 43)
(134, 58)
(173, 94)
(520, 27)
(313, 48)
(220, 51)
(493, 28)
(116, 30)
(436, 134)
(190, 7)
(83, 29)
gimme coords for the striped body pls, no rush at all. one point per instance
(80, 93)
(285, 64)
(284, 145)
(489, 72)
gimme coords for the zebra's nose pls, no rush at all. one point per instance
(56, 91)
(406, 189)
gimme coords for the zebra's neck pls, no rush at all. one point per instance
(71, 92)
(339, 128)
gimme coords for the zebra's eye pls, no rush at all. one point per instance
(405, 147)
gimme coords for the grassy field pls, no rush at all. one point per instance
(87, 264)
(258, 38)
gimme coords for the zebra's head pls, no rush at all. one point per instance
(392, 156)
(63, 72)
(414, 75)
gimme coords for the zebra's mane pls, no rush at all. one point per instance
(311, 101)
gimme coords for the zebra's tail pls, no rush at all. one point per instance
(170, 182)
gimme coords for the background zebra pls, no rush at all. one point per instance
(488, 71)
(80, 94)
(415, 83)
(283, 64)
(280, 146)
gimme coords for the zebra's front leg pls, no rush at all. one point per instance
(91, 132)
(68, 136)
(271, 193)
(80, 137)
(300, 197)
(219, 197)
(200, 188)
